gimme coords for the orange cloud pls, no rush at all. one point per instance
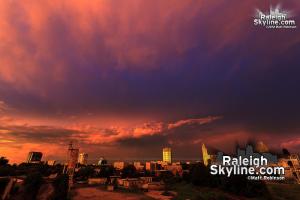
(17, 153)
(199, 121)
(94, 135)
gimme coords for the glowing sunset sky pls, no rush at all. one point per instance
(124, 78)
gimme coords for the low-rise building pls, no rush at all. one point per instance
(119, 165)
(96, 181)
(51, 162)
(138, 166)
(147, 179)
(131, 183)
(114, 179)
(152, 166)
(82, 159)
(176, 169)
(291, 166)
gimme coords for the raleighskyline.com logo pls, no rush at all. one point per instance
(257, 168)
(275, 19)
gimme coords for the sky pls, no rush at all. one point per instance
(123, 79)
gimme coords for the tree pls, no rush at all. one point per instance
(168, 178)
(129, 171)
(286, 152)
(7, 170)
(60, 184)
(32, 184)
(240, 185)
(106, 171)
(85, 172)
(3, 183)
(200, 175)
(3, 161)
(186, 176)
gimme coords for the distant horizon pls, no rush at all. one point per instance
(110, 161)
(175, 158)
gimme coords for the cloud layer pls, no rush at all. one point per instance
(15, 136)
(128, 75)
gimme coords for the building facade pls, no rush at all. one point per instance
(119, 165)
(167, 155)
(34, 157)
(82, 159)
(205, 156)
(138, 166)
(152, 166)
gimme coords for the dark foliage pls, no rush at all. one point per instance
(60, 184)
(129, 171)
(240, 185)
(285, 152)
(168, 178)
(32, 185)
(3, 161)
(29, 168)
(200, 176)
(106, 171)
(84, 173)
(7, 170)
(186, 177)
(3, 183)
(185, 166)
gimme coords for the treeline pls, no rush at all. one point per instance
(199, 175)
(35, 176)
(105, 171)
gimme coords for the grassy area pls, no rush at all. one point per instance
(116, 190)
(187, 191)
(284, 191)
(277, 191)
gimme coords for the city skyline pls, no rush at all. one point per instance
(124, 80)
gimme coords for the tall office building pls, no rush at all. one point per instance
(82, 159)
(34, 157)
(206, 157)
(72, 161)
(167, 155)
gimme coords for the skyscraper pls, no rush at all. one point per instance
(82, 159)
(34, 157)
(72, 160)
(206, 157)
(167, 155)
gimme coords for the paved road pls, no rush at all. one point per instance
(99, 194)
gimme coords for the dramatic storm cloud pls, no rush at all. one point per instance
(125, 78)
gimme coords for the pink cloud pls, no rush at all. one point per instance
(199, 121)
(34, 35)
(293, 145)
(3, 106)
